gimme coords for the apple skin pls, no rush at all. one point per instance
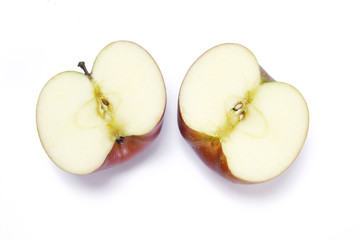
(265, 77)
(209, 148)
(130, 146)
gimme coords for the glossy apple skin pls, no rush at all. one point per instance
(130, 146)
(209, 148)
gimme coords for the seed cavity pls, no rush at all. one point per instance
(240, 109)
(237, 106)
(242, 115)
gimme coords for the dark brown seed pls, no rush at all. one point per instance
(106, 102)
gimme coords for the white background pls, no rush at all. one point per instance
(167, 192)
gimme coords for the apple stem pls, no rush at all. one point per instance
(82, 66)
(119, 140)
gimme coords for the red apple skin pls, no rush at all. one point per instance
(130, 146)
(209, 148)
(265, 77)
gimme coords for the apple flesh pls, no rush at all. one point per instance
(92, 121)
(241, 123)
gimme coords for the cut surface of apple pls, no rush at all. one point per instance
(241, 123)
(88, 121)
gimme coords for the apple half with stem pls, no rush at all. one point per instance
(242, 123)
(91, 121)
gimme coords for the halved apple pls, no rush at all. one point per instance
(92, 121)
(241, 123)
